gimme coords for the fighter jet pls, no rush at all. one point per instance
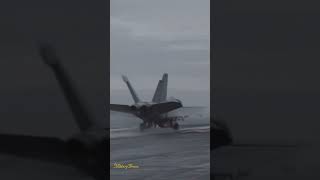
(86, 150)
(157, 113)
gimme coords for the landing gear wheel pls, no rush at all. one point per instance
(175, 126)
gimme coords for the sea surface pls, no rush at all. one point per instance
(160, 154)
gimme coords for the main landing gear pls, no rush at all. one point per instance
(169, 124)
(162, 124)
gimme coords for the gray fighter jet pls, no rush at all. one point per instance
(157, 113)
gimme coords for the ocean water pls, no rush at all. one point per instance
(160, 153)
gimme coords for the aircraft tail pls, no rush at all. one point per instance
(132, 91)
(160, 94)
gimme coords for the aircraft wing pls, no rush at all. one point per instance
(121, 108)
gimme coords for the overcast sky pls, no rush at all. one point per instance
(150, 37)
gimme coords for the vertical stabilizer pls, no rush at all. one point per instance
(164, 87)
(157, 94)
(132, 91)
(160, 94)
